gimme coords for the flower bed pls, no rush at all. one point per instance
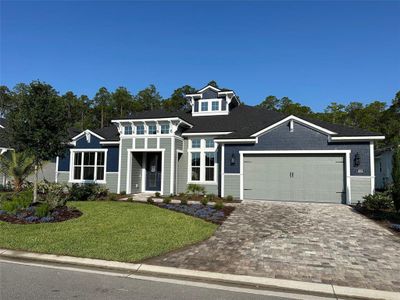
(387, 218)
(205, 212)
(28, 215)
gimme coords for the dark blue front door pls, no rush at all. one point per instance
(153, 171)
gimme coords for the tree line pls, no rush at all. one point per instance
(89, 113)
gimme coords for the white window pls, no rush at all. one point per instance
(152, 129)
(215, 105)
(89, 166)
(127, 129)
(164, 128)
(196, 143)
(204, 106)
(140, 129)
(202, 158)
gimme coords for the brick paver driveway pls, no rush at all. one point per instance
(299, 241)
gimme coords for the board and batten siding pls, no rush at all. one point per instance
(165, 143)
(360, 186)
(232, 185)
(125, 145)
(136, 169)
(112, 182)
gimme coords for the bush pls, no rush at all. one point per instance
(204, 201)
(130, 199)
(219, 205)
(184, 201)
(112, 197)
(378, 201)
(53, 194)
(87, 192)
(42, 210)
(396, 177)
(167, 200)
(195, 189)
(150, 200)
(210, 197)
(17, 202)
(123, 193)
(229, 198)
(157, 194)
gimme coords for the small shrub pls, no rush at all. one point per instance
(130, 199)
(229, 198)
(112, 197)
(42, 210)
(123, 193)
(195, 189)
(150, 200)
(210, 197)
(157, 195)
(182, 195)
(87, 192)
(53, 194)
(204, 201)
(184, 201)
(17, 202)
(378, 201)
(219, 205)
(167, 200)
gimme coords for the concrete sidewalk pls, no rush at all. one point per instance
(307, 288)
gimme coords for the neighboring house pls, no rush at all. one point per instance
(47, 171)
(383, 167)
(230, 149)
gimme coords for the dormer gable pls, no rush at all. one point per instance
(212, 101)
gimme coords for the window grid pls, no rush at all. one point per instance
(140, 129)
(128, 130)
(164, 128)
(204, 106)
(152, 129)
(202, 160)
(215, 106)
(89, 166)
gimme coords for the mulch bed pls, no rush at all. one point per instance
(205, 212)
(387, 219)
(199, 198)
(27, 216)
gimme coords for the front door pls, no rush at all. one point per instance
(153, 171)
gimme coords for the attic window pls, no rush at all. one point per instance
(127, 129)
(291, 126)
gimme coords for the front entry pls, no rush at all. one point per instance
(153, 171)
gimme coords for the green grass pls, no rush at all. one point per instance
(109, 230)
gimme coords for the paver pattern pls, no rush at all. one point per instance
(324, 243)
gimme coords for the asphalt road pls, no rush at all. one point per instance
(35, 281)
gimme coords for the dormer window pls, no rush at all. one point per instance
(140, 129)
(204, 106)
(127, 129)
(215, 105)
(152, 129)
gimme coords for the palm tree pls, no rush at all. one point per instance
(18, 166)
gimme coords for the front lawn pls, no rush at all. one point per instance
(109, 230)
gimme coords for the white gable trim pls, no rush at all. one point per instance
(294, 118)
(357, 138)
(206, 133)
(87, 131)
(209, 87)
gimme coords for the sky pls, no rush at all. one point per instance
(312, 52)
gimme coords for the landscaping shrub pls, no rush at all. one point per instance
(123, 193)
(167, 200)
(204, 201)
(184, 201)
(219, 205)
(229, 198)
(87, 192)
(195, 189)
(130, 199)
(396, 178)
(53, 194)
(210, 197)
(112, 197)
(150, 200)
(378, 201)
(157, 194)
(17, 201)
(42, 210)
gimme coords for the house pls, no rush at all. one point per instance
(227, 147)
(383, 167)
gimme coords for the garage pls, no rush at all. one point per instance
(295, 177)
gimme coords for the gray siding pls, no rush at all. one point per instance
(302, 138)
(125, 144)
(136, 179)
(139, 143)
(232, 185)
(360, 187)
(178, 144)
(48, 172)
(152, 143)
(63, 177)
(165, 143)
(112, 182)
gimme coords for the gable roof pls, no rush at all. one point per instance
(109, 133)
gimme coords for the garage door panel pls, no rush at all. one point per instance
(316, 178)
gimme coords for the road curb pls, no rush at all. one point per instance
(310, 288)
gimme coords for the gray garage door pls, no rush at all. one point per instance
(303, 178)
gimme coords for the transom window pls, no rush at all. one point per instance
(204, 106)
(89, 166)
(140, 129)
(202, 155)
(152, 129)
(215, 105)
(164, 128)
(127, 129)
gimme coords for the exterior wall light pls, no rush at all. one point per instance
(233, 159)
(356, 159)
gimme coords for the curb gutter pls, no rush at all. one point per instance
(319, 289)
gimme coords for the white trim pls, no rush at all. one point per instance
(222, 170)
(289, 118)
(372, 165)
(112, 172)
(85, 132)
(209, 87)
(129, 169)
(357, 138)
(207, 133)
(347, 164)
(235, 141)
(232, 174)
(209, 111)
(71, 165)
(172, 175)
(109, 142)
(152, 120)
(56, 175)
(119, 167)
(202, 150)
